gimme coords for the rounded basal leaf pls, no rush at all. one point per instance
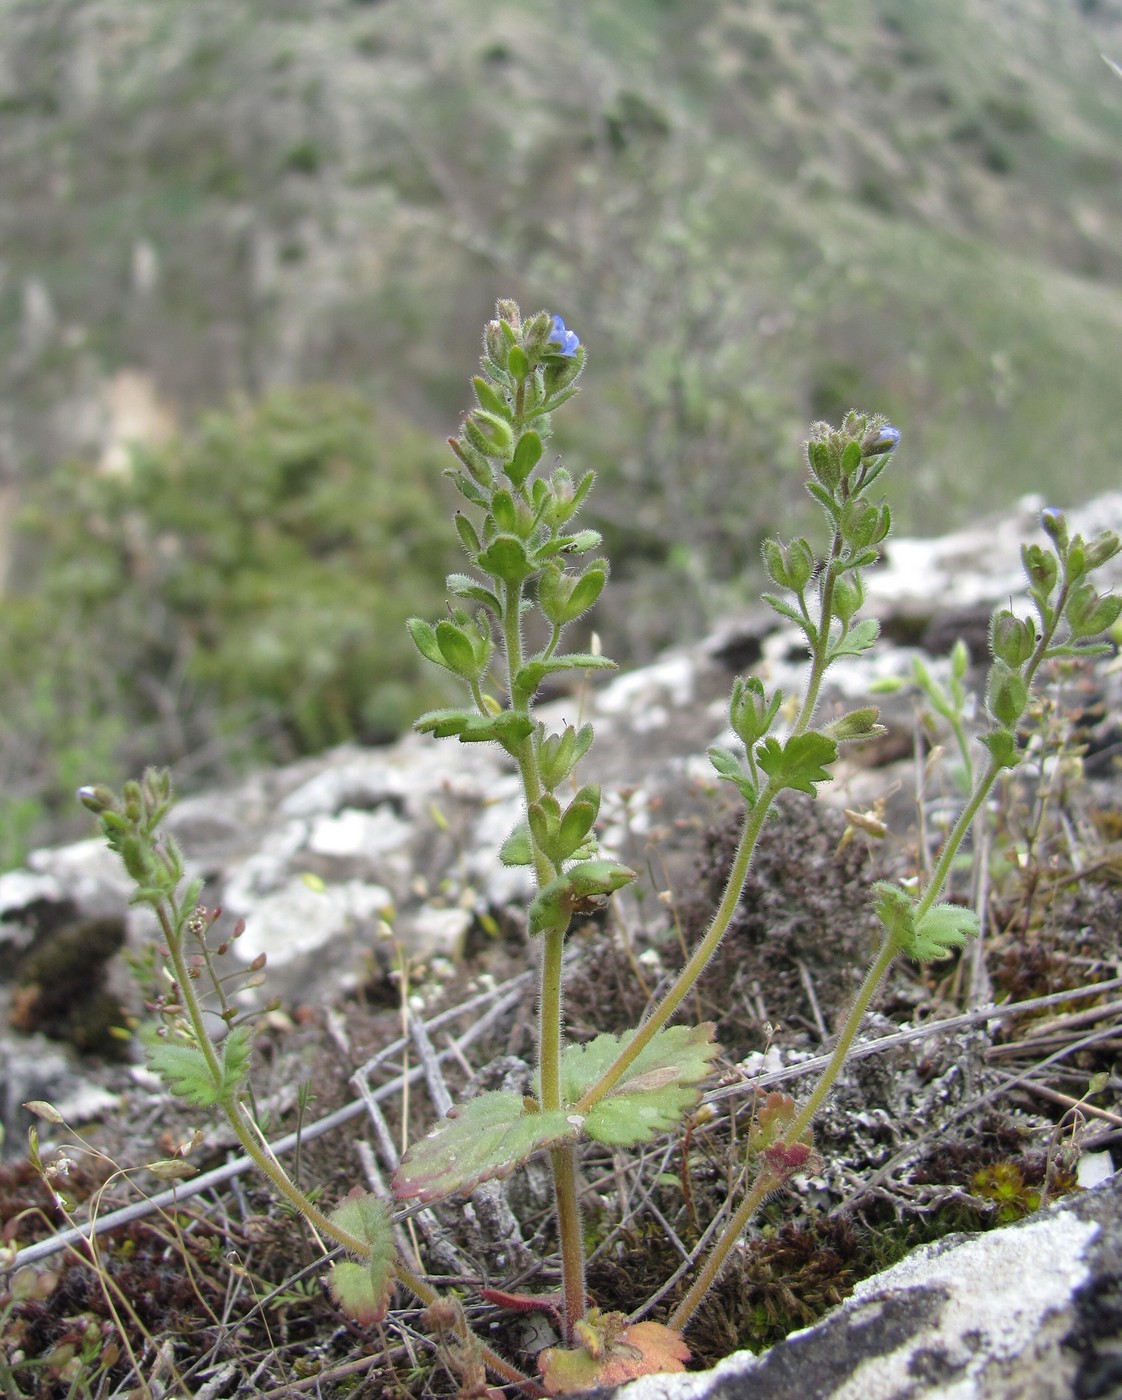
(613, 1351)
(363, 1289)
(484, 1138)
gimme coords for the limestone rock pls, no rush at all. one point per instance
(1029, 1312)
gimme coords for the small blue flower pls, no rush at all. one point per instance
(887, 440)
(1054, 524)
(561, 336)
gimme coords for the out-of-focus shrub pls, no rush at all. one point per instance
(238, 595)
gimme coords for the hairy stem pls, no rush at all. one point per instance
(689, 974)
(715, 1260)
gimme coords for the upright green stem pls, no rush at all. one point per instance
(821, 652)
(954, 840)
(563, 1159)
(757, 1193)
(689, 974)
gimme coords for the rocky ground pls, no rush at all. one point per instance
(396, 956)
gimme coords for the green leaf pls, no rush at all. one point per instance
(943, 928)
(529, 677)
(729, 769)
(470, 727)
(505, 558)
(785, 609)
(489, 398)
(518, 362)
(516, 849)
(800, 762)
(484, 1138)
(363, 1290)
(856, 725)
(456, 650)
(857, 640)
(581, 890)
(579, 819)
(655, 1093)
(581, 542)
(526, 457)
(424, 639)
(931, 938)
(184, 1069)
(464, 586)
(559, 754)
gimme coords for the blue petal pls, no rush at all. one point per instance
(887, 440)
(561, 336)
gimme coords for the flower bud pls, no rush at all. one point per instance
(789, 565)
(98, 799)
(1103, 547)
(1006, 694)
(1041, 568)
(849, 594)
(1012, 639)
(750, 710)
(1054, 525)
(881, 441)
(495, 343)
(1089, 613)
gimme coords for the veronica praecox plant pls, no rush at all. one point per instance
(532, 573)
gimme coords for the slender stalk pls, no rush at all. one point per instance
(715, 1260)
(955, 838)
(563, 1160)
(821, 653)
(873, 978)
(689, 974)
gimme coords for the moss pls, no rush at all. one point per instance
(60, 987)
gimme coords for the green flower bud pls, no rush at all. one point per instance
(1006, 694)
(789, 565)
(495, 344)
(98, 799)
(464, 648)
(1054, 524)
(1041, 568)
(849, 594)
(1103, 547)
(750, 711)
(563, 597)
(1012, 639)
(492, 433)
(1089, 613)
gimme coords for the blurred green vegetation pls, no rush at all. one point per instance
(756, 213)
(237, 595)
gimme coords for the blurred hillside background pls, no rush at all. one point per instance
(247, 248)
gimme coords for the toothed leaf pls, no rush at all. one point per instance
(800, 762)
(654, 1094)
(484, 1138)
